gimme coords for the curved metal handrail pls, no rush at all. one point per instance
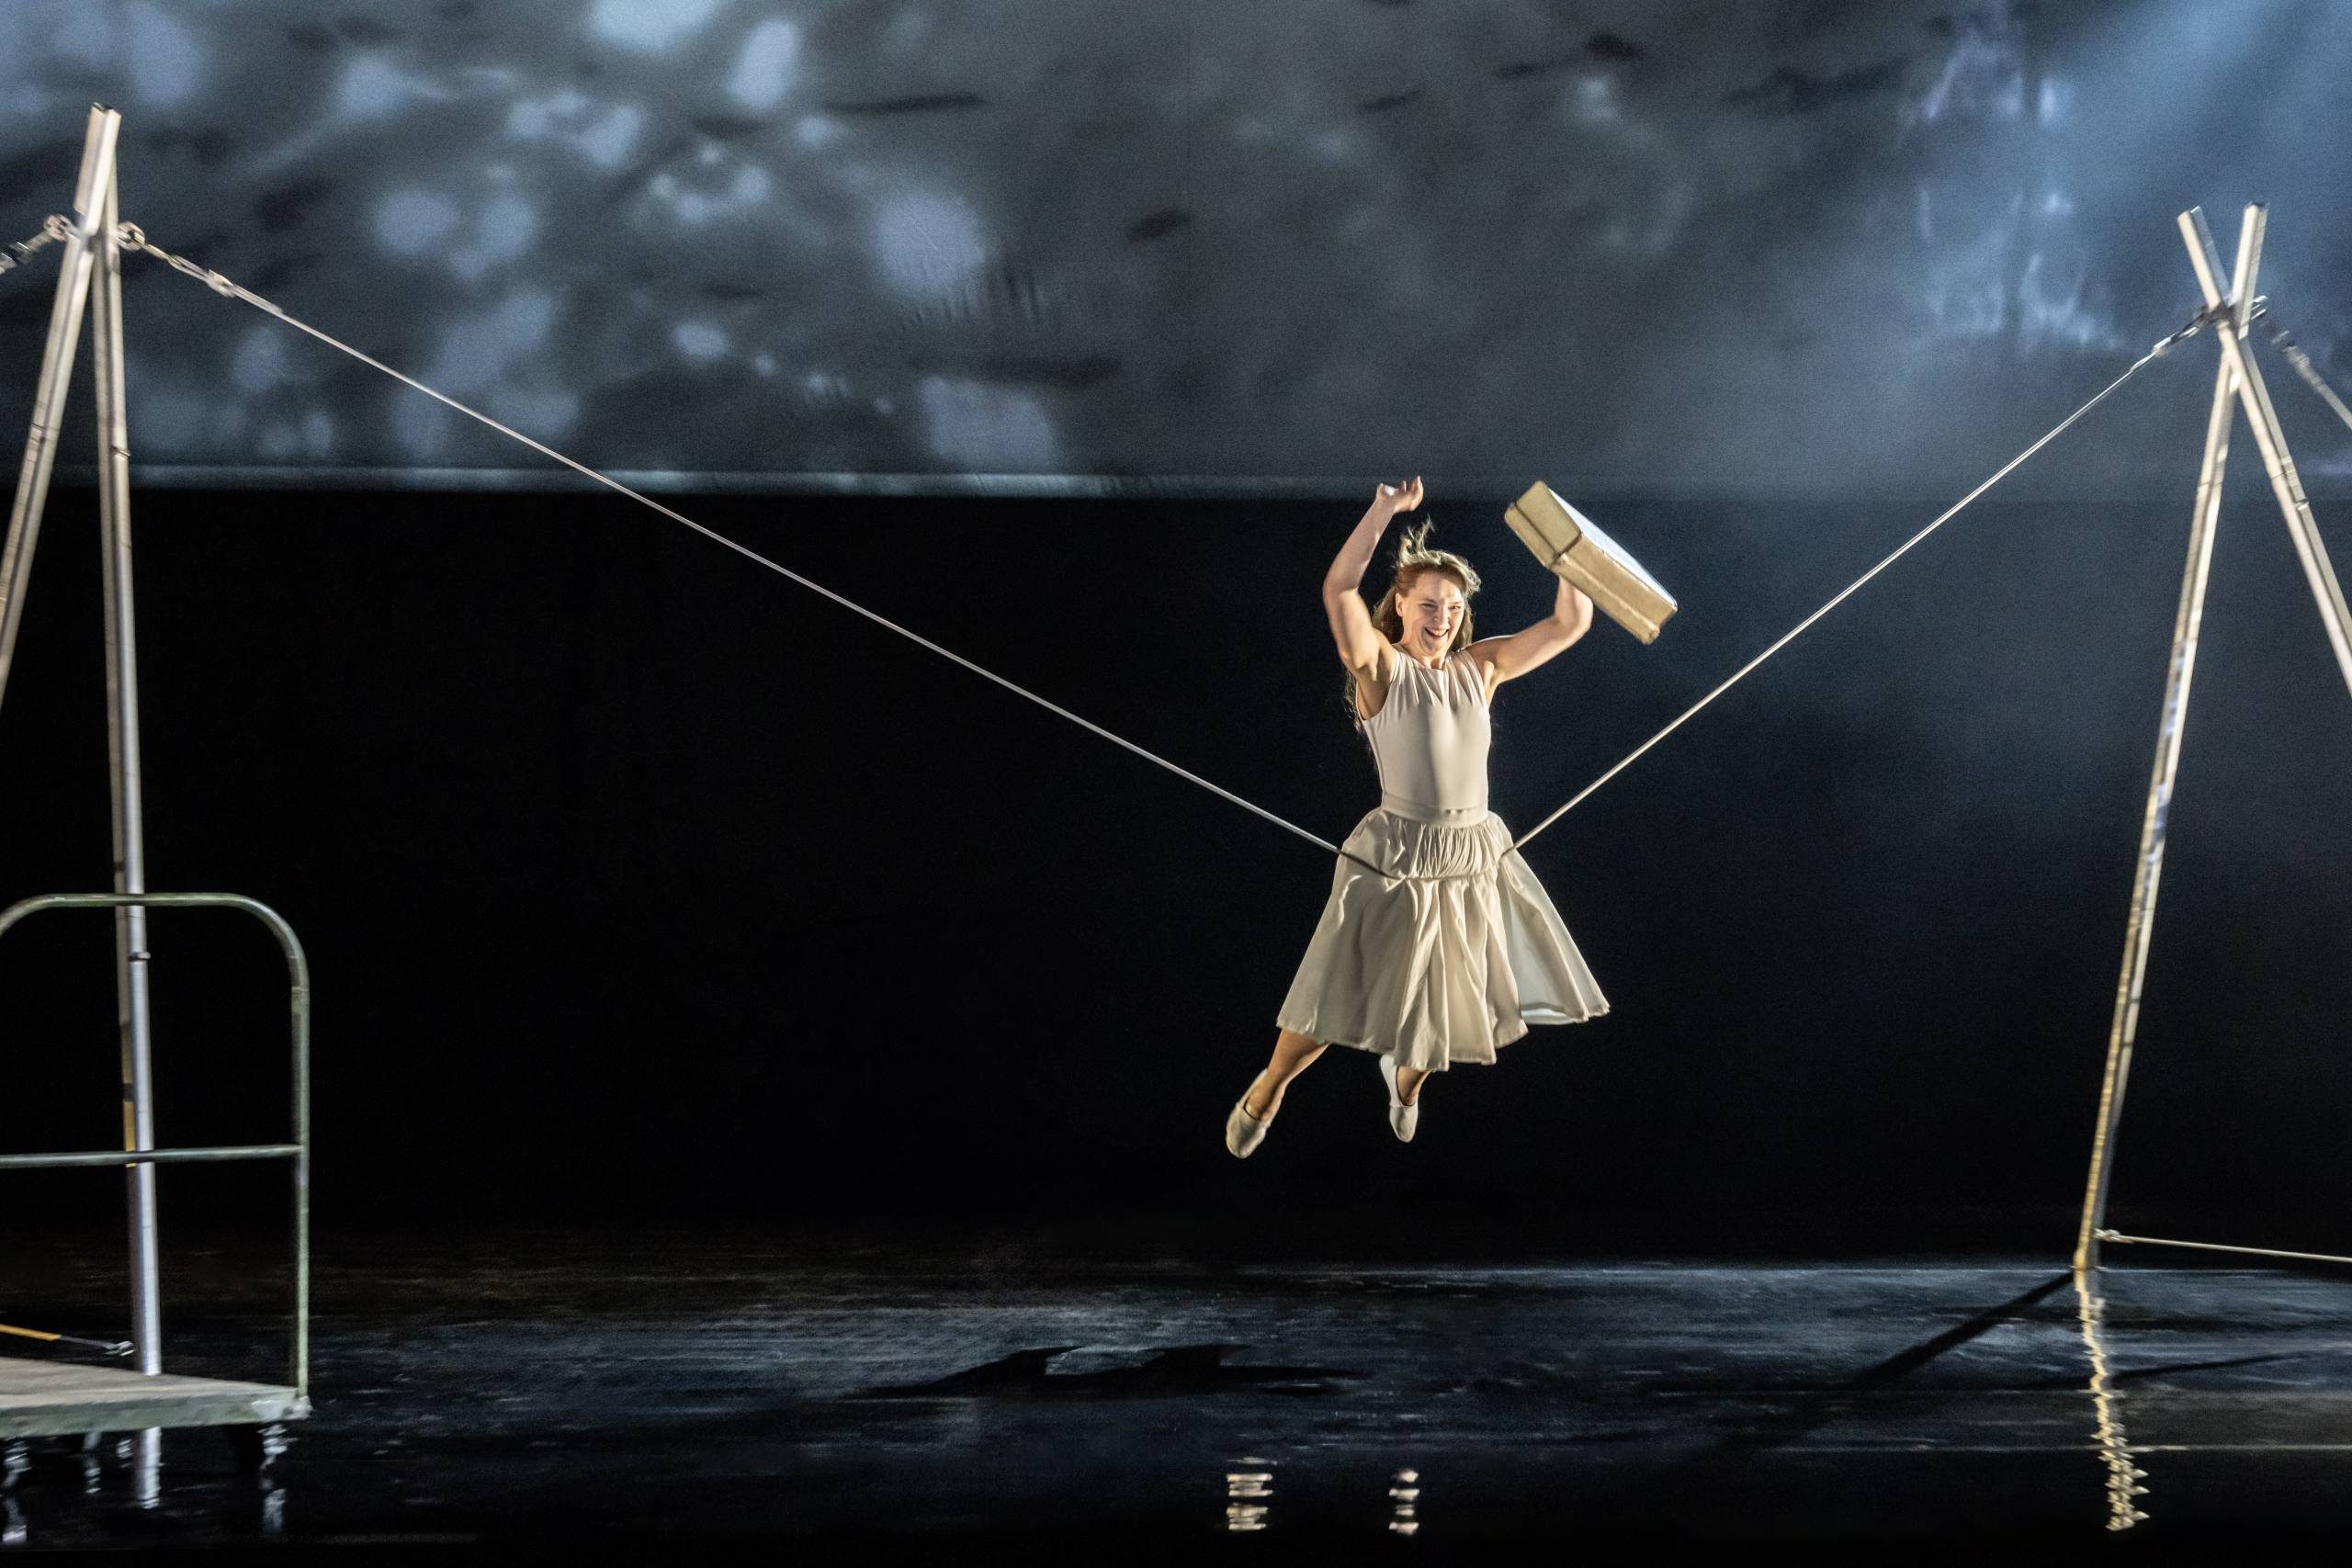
(299, 975)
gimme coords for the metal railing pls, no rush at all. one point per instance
(298, 1152)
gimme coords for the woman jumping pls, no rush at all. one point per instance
(1451, 948)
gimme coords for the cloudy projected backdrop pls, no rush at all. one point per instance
(1738, 243)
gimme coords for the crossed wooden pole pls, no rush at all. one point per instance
(2237, 381)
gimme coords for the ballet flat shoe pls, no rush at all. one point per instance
(1402, 1118)
(1243, 1132)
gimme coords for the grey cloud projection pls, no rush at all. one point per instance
(1818, 244)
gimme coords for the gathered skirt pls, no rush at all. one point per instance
(1452, 954)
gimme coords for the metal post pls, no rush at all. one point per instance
(99, 143)
(122, 747)
(2140, 926)
(301, 1010)
(2286, 484)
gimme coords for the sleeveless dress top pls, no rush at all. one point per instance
(1453, 948)
(1430, 741)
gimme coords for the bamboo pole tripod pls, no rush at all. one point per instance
(142, 1398)
(2237, 383)
(90, 278)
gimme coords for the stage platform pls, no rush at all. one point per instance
(1012, 1385)
(52, 1398)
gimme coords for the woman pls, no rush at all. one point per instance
(1449, 949)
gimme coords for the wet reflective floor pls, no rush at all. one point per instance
(713, 1387)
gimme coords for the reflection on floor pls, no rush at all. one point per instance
(552, 1385)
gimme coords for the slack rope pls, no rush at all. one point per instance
(19, 252)
(131, 236)
(104, 1346)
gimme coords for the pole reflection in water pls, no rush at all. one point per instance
(1404, 1496)
(1249, 1491)
(2123, 1477)
(1246, 1490)
(144, 1453)
(261, 1511)
(15, 1458)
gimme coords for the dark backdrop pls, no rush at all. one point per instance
(638, 881)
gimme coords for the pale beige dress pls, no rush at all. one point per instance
(1457, 949)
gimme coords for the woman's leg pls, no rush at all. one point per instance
(1293, 1053)
(1409, 1083)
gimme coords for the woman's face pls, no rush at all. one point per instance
(1431, 607)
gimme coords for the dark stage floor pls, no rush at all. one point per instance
(493, 1388)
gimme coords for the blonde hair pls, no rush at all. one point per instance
(1415, 557)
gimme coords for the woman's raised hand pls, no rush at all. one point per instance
(1402, 498)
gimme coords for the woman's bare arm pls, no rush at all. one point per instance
(1515, 655)
(1359, 640)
